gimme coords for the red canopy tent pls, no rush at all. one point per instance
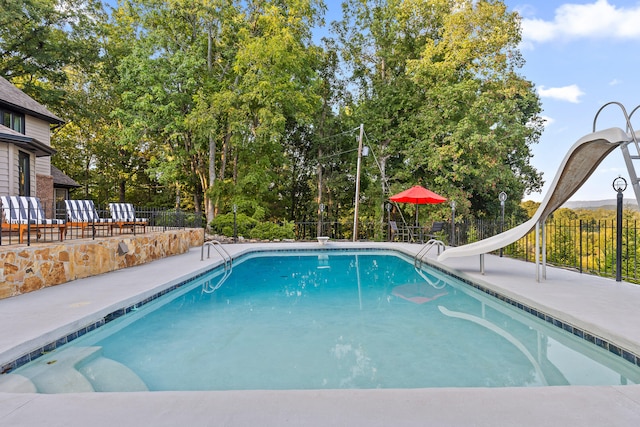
(418, 196)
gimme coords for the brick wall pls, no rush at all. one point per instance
(44, 191)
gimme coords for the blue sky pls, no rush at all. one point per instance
(581, 55)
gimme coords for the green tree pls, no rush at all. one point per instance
(40, 39)
(214, 93)
(437, 84)
(377, 39)
(480, 116)
(158, 82)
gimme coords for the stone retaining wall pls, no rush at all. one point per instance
(28, 268)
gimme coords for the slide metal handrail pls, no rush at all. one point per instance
(628, 157)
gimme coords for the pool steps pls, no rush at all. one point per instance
(74, 370)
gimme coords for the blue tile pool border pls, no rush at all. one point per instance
(576, 331)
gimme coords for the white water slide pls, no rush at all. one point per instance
(579, 163)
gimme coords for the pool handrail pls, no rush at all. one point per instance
(227, 261)
(417, 260)
(215, 244)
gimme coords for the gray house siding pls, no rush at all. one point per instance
(36, 142)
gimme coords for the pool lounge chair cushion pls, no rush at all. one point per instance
(124, 212)
(81, 211)
(82, 214)
(20, 213)
(25, 210)
(124, 216)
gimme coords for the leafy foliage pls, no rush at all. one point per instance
(271, 231)
(40, 40)
(223, 224)
(251, 227)
(202, 105)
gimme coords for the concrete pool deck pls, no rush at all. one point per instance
(601, 306)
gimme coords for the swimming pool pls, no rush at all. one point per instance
(288, 321)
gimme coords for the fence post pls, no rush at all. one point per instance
(28, 222)
(619, 237)
(580, 254)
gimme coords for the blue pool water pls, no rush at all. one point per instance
(328, 320)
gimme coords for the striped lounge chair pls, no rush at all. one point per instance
(22, 214)
(124, 215)
(83, 214)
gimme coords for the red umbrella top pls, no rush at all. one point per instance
(418, 195)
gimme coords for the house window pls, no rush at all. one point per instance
(61, 194)
(12, 120)
(24, 174)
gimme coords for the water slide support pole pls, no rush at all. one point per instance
(544, 249)
(537, 251)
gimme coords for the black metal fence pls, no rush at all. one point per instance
(581, 245)
(367, 230)
(584, 246)
(146, 220)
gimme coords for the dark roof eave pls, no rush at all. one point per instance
(15, 99)
(47, 118)
(62, 180)
(28, 144)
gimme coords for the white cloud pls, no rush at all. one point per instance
(548, 121)
(615, 82)
(570, 93)
(598, 20)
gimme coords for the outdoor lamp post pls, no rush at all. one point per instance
(453, 223)
(388, 206)
(235, 224)
(619, 184)
(502, 197)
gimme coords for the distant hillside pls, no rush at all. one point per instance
(629, 203)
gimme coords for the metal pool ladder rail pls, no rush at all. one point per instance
(418, 259)
(228, 263)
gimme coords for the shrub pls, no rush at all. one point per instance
(271, 231)
(223, 224)
(251, 227)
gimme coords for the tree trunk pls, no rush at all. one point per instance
(235, 167)
(208, 203)
(212, 179)
(121, 190)
(225, 155)
(319, 191)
